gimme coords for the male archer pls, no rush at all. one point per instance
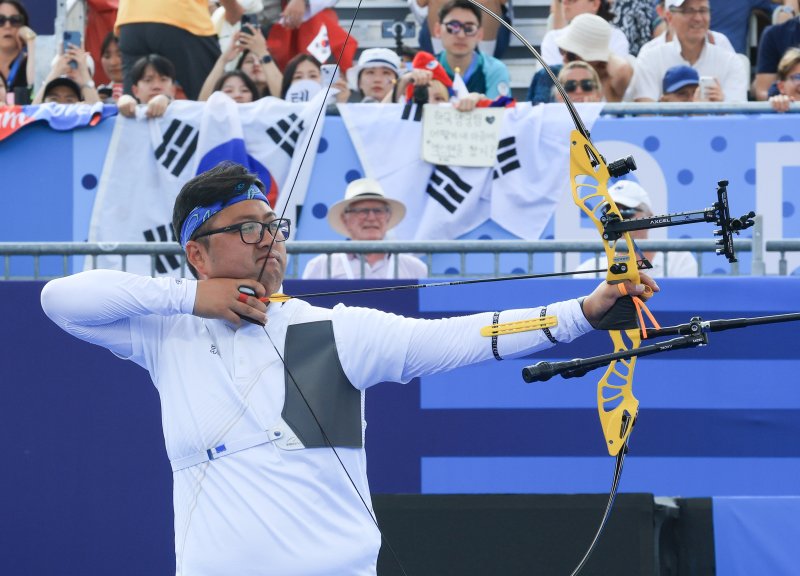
(258, 485)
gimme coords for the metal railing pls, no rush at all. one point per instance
(67, 251)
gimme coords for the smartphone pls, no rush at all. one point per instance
(71, 38)
(249, 23)
(330, 74)
(705, 82)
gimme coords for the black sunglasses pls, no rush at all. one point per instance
(586, 85)
(16, 20)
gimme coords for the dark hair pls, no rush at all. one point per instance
(107, 41)
(248, 82)
(258, 93)
(291, 67)
(463, 4)
(20, 8)
(218, 184)
(160, 64)
(605, 11)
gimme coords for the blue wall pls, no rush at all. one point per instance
(87, 483)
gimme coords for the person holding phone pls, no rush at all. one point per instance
(17, 47)
(254, 60)
(689, 20)
(70, 74)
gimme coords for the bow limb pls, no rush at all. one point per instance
(589, 176)
(616, 404)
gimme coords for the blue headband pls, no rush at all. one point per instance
(200, 214)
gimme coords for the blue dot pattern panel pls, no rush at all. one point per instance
(335, 166)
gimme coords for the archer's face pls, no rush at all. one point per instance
(225, 255)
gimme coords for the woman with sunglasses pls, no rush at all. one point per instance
(788, 83)
(16, 45)
(580, 82)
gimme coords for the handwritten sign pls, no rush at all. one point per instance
(456, 138)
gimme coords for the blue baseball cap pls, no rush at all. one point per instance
(679, 76)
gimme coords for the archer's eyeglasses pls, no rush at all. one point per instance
(586, 85)
(253, 232)
(454, 27)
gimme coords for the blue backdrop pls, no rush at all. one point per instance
(88, 484)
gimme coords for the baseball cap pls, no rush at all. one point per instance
(63, 81)
(677, 77)
(670, 3)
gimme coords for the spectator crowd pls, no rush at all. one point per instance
(610, 50)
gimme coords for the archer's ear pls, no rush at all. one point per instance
(197, 256)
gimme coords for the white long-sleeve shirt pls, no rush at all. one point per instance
(266, 509)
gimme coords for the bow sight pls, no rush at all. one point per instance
(614, 227)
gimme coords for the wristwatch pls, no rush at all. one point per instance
(266, 59)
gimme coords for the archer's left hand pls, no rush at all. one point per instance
(599, 302)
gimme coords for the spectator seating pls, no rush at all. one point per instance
(530, 18)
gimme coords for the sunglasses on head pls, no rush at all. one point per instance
(454, 27)
(16, 20)
(586, 85)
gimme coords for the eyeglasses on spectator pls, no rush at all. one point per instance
(689, 12)
(585, 84)
(363, 212)
(15, 20)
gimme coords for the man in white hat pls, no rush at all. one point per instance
(633, 201)
(365, 214)
(375, 74)
(689, 21)
(588, 38)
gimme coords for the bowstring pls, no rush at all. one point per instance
(261, 273)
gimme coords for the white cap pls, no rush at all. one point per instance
(364, 189)
(629, 193)
(373, 58)
(588, 36)
(670, 3)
